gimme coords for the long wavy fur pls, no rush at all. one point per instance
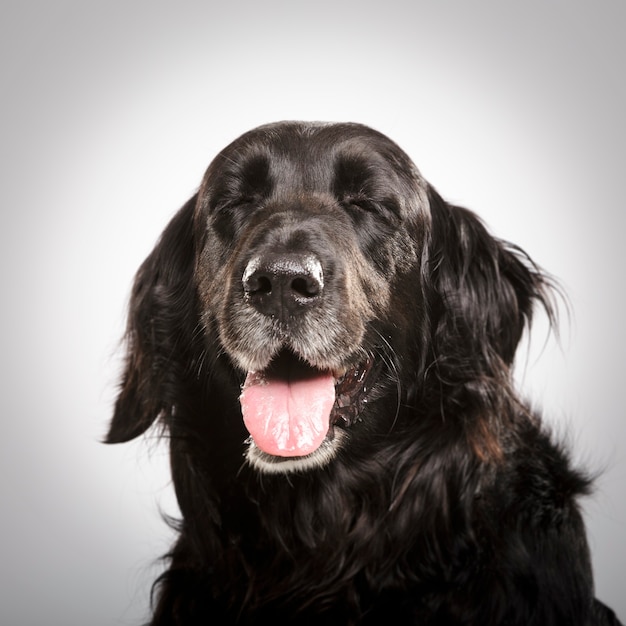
(453, 506)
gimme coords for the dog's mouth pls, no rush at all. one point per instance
(291, 409)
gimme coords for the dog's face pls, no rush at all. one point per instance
(304, 231)
(319, 285)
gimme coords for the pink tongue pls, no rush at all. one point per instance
(287, 417)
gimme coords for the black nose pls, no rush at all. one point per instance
(282, 285)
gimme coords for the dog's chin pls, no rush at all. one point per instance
(319, 458)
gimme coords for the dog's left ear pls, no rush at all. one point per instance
(159, 336)
(484, 289)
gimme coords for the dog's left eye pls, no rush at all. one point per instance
(358, 204)
(359, 207)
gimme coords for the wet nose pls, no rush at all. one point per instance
(279, 284)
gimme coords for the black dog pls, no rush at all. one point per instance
(328, 346)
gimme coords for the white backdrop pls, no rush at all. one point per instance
(110, 113)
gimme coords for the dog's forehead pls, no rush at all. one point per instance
(311, 156)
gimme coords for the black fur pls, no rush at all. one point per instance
(444, 501)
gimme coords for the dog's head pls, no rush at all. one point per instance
(318, 267)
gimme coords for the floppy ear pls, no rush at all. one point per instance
(159, 332)
(485, 290)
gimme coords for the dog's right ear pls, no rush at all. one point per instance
(161, 321)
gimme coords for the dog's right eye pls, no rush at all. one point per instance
(237, 204)
(230, 215)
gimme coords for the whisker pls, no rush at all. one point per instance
(389, 357)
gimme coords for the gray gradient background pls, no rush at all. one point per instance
(109, 114)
